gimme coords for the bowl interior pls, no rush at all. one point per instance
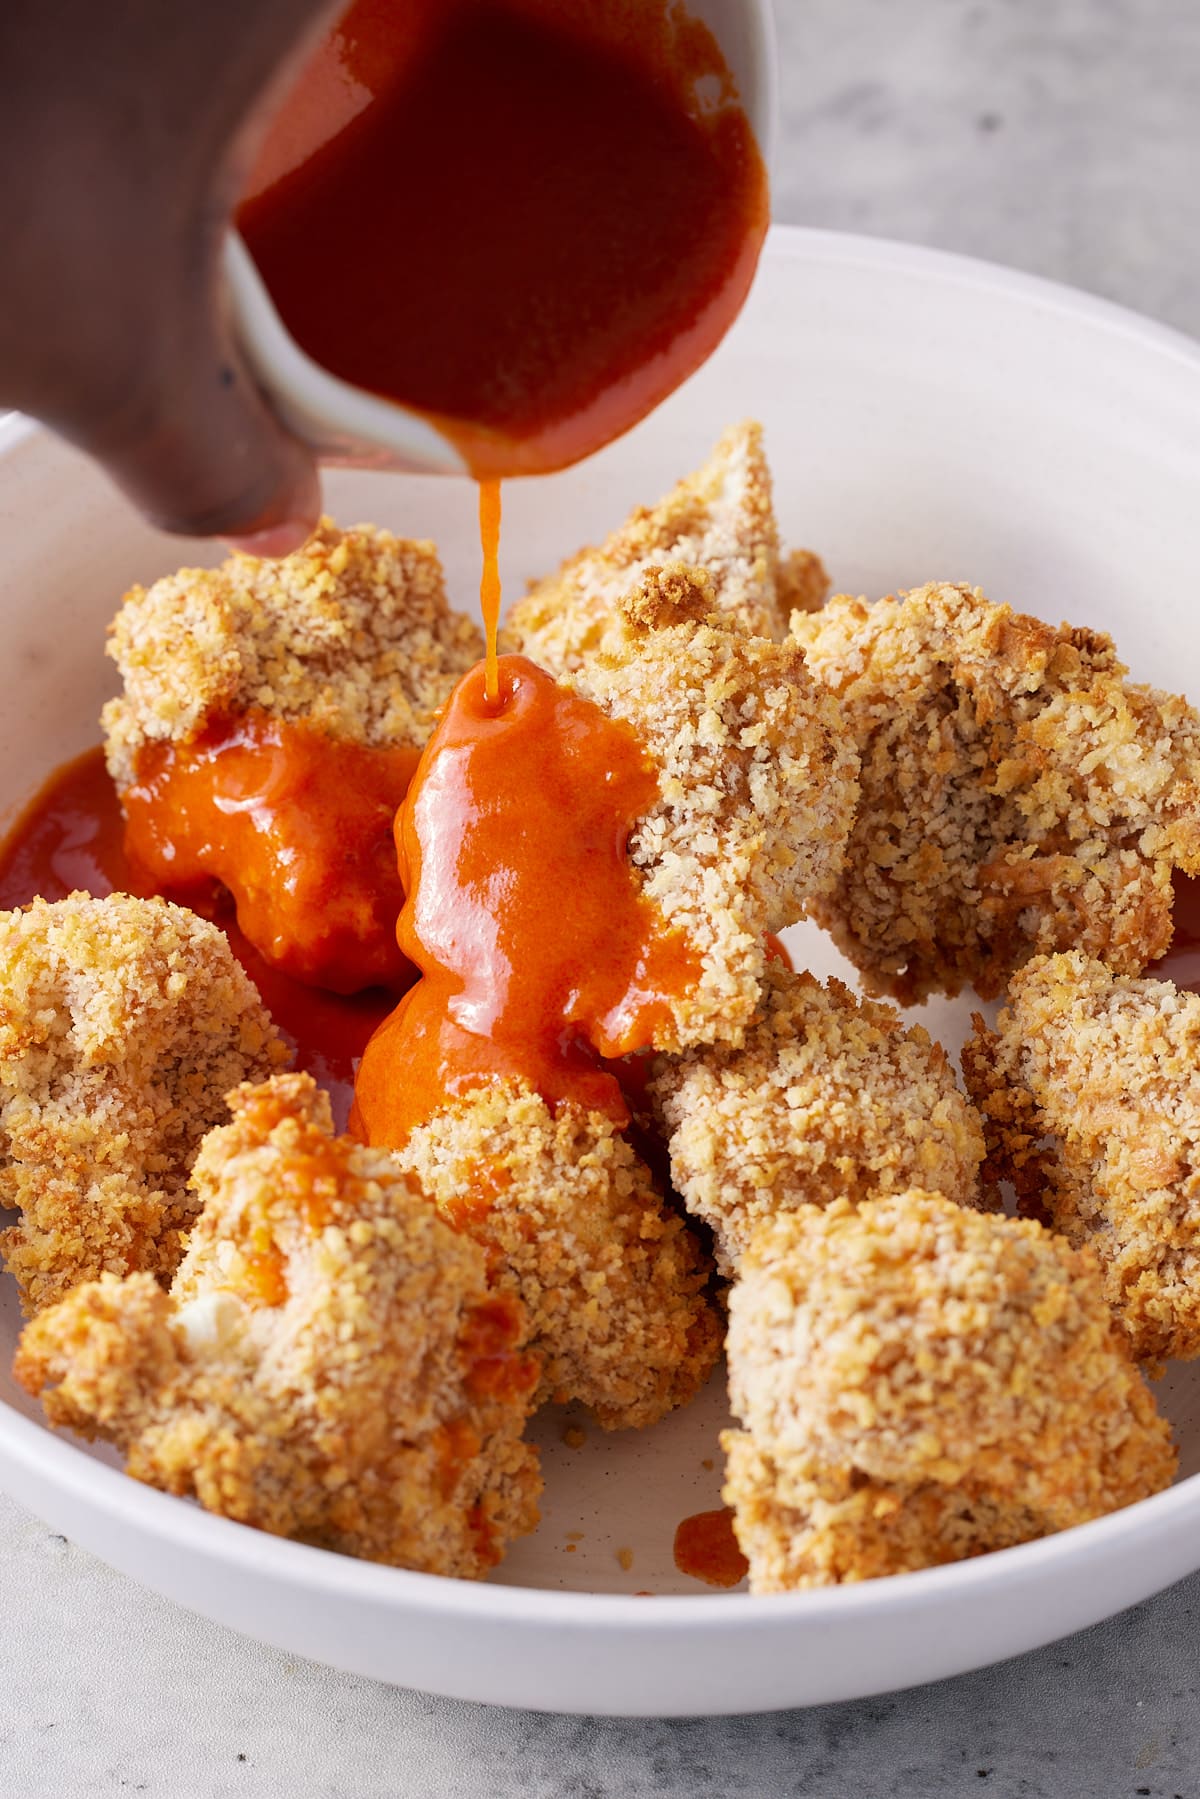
(925, 419)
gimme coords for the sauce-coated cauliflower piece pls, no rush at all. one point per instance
(331, 1362)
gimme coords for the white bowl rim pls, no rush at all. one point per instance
(60, 1464)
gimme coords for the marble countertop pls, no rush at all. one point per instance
(1060, 136)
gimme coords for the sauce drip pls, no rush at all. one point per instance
(489, 585)
(296, 827)
(538, 952)
(526, 220)
(70, 838)
(706, 1548)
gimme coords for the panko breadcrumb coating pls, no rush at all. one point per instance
(757, 782)
(829, 1097)
(720, 518)
(330, 1363)
(802, 582)
(1090, 1094)
(351, 634)
(123, 1024)
(611, 1278)
(920, 1383)
(1019, 795)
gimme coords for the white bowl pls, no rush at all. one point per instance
(926, 417)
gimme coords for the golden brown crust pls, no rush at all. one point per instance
(1090, 1093)
(757, 784)
(123, 1024)
(611, 1278)
(720, 519)
(841, 1526)
(330, 1363)
(1019, 795)
(829, 1097)
(918, 1382)
(351, 634)
(802, 582)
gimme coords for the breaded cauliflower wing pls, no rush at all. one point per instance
(272, 718)
(611, 1278)
(720, 519)
(757, 782)
(919, 1383)
(351, 635)
(1019, 795)
(828, 1097)
(330, 1363)
(123, 1024)
(1090, 1094)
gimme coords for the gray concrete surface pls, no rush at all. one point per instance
(108, 1690)
(1061, 136)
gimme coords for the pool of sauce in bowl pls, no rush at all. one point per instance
(70, 837)
(706, 1549)
(526, 220)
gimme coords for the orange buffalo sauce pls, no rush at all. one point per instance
(264, 1275)
(310, 1177)
(490, 1344)
(71, 838)
(489, 585)
(528, 220)
(538, 952)
(495, 1367)
(707, 1549)
(295, 826)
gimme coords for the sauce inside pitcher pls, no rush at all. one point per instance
(528, 220)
